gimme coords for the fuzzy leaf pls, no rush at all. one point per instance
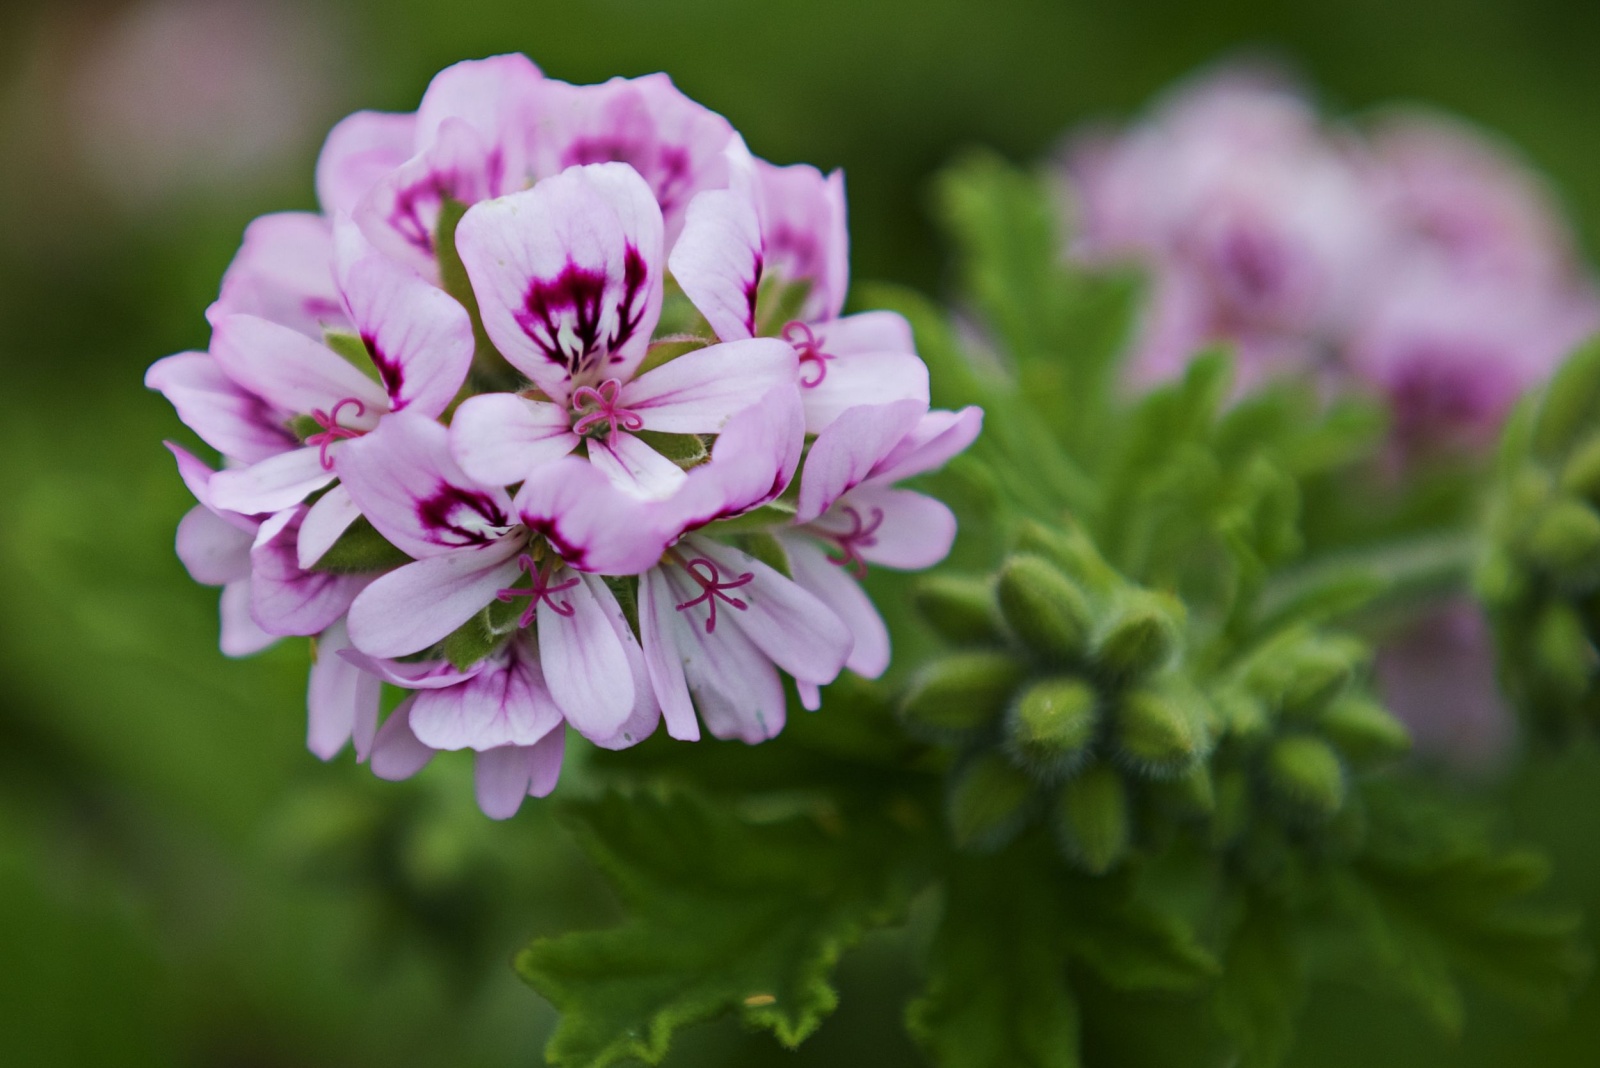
(1131, 944)
(360, 549)
(1263, 984)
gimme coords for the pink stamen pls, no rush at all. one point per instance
(331, 430)
(540, 590)
(712, 587)
(859, 536)
(809, 349)
(597, 405)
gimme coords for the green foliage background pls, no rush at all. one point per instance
(181, 883)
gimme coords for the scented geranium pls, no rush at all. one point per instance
(550, 418)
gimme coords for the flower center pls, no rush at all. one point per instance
(598, 413)
(809, 349)
(859, 536)
(331, 430)
(540, 590)
(712, 587)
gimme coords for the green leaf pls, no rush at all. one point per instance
(360, 549)
(725, 915)
(1129, 942)
(1263, 984)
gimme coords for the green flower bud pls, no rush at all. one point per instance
(1363, 730)
(1193, 793)
(989, 801)
(1094, 824)
(1070, 549)
(1565, 541)
(1053, 723)
(1571, 402)
(1301, 671)
(1143, 633)
(1047, 610)
(1305, 771)
(1161, 732)
(1561, 651)
(959, 608)
(1580, 476)
(961, 693)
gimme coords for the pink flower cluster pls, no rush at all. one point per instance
(1414, 259)
(550, 418)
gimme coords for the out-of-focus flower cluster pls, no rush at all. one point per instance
(1413, 258)
(550, 417)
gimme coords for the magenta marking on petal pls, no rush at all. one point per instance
(545, 527)
(451, 505)
(752, 290)
(321, 309)
(859, 536)
(331, 430)
(712, 587)
(390, 373)
(596, 411)
(575, 299)
(539, 590)
(809, 349)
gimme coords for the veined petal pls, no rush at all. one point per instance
(868, 378)
(417, 336)
(752, 462)
(291, 371)
(717, 261)
(584, 662)
(271, 485)
(235, 422)
(633, 466)
(414, 606)
(359, 151)
(213, 551)
(396, 753)
(504, 704)
(409, 487)
(284, 599)
(803, 233)
(504, 776)
(494, 96)
(646, 712)
(329, 517)
(338, 695)
(412, 675)
(241, 636)
(934, 440)
(568, 275)
(589, 522)
(910, 531)
(792, 627)
(698, 392)
(736, 688)
(846, 453)
(663, 659)
(400, 214)
(498, 438)
(283, 273)
(833, 586)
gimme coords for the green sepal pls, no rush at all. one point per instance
(1072, 551)
(776, 514)
(1161, 731)
(354, 351)
(1304, 771)
(360, 549)
(1363, 730)
(1580, 475)
(685, 450)
(1047, 610)
(961, 609)
(779, 303)
(1565, 542)
(989, 800)
(487, 362)
(768, 549)
(1094, 819)
(961, 693)
(1142, 634)
(472, 641)
(1052, 724)
(1571, 403)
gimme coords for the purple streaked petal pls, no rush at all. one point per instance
(633, 466)
(937, 437)
(833, 586)
(803, 233)
(339, 695)
(736, 688)
(330, 516)
(658, 618)
(590, 523)
(506, 703)
(271, 485)
(408, 486)
(911, 531)
(284, 599)
(359, 151)
(847, 452)
(283, 273)
(412, 675)
(396, 753)
(584, 662)
(498, 438)
(291, 371)
(414, 606)
(240, 634)
(417, 336)
(645, 715)
(792, 627)
(213, 551)
(868, 378)
(568, 275)
(235, 422)
(698, 392)
(717, 261)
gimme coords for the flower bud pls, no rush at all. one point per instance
(1070, 549)
(1571, 402)
(1305, 771)
(1580, 476)
(989, 801)
(961, 693)
(1144, 633)
(1161, 732)
(1093, 819)
(1565, 541)
(959, 608)
(1363, 730)
(1052, 724)
(1304, 674)
(1047, 610)
(1193, 793)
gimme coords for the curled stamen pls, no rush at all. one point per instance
(712, 587)
(859, 536)
(598, 405)
(809, 349)
(331, 430)
(540, 590)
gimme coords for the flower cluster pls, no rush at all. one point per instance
(1414, 259)
(551, 417)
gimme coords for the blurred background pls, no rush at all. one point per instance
(181, 883)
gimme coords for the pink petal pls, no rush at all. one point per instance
(506, 775)
(506, 703)
(414, 606)
(847, 452)
(913, 531)
(359, 151)
(240, 634)
(736, 688)
(337, 696)
(284, 599)
(495, 96)
(873, 331)
(589, 522)
(283, 273)
(752, 463)
(408, 486)
(235, 422)
(568, 275)
(658, 621)
(330, 516)
(584, 662)
(932, 442)
(213, 551)
(833, 586)
(633, 466)
(792, 627)
(412, 675)
(870, 378)
(498, 438)
(396, 753)
(698, 392)
(271, 485)
(646, 712)
(291, 371)
(803, 233)
(418, 337)
(717, 261)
